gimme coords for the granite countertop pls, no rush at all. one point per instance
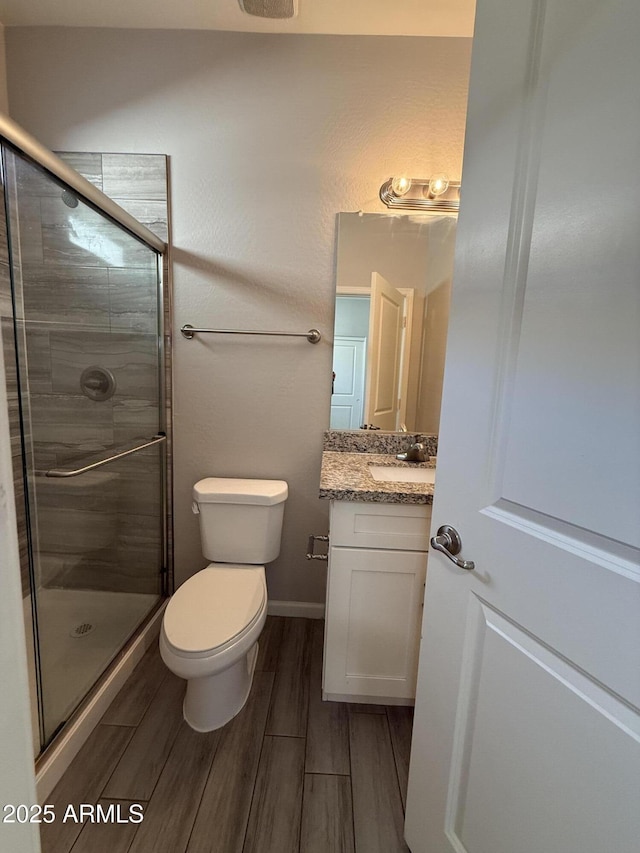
(346, 477)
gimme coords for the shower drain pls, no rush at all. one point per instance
(82, 630)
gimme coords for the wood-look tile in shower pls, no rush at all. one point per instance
(10, 366)
(81, 236)
(132, 358)
(95, 570)
(30, 181)
(87, 163)
(138, 477)
(27, 226)
(70, 425)
(134, 419)
(135, 176)
(139, 547)
(93, 491)
(133, 301)
(6, 306)
(66, 296)
(4, 245)
(151, 213)
(38, 352)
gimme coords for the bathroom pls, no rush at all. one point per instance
(253, 218)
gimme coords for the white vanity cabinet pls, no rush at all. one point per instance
(375, 592)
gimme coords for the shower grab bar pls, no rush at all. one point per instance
(55, 472)
(188, 331)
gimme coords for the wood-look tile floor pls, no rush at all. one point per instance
(289, 774)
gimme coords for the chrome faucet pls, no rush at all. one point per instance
(415, 453)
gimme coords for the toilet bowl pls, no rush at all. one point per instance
(212, 623)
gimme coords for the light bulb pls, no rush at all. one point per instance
(401, 186)
(438, 184)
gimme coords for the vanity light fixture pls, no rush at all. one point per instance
(400, 185)
(434, 193)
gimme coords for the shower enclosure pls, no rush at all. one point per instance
(81, 307)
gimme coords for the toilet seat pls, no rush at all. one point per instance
(214, 609)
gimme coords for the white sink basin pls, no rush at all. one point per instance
(396, 474)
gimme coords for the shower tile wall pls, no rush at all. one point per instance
(83, 308)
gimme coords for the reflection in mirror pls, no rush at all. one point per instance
(393, 285)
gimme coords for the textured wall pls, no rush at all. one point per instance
(268, 137)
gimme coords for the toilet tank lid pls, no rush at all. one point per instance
(233, 491)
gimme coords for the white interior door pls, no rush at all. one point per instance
(347, 400)
(527, 732)
(384, 354)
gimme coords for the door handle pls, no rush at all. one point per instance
(448, 542)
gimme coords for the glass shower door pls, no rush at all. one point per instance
(87, 314)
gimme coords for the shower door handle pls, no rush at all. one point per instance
(57, 472)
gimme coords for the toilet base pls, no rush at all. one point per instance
(211, 702)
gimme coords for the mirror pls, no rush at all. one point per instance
(393, 285)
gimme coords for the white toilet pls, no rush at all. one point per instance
(212, 623)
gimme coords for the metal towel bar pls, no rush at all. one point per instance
(56, 472)
(188, 331)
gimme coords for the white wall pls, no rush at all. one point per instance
(269, 137)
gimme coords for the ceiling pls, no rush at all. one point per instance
(349, 17)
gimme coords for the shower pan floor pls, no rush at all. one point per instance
(74, 655)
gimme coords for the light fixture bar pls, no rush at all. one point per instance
(418, 196)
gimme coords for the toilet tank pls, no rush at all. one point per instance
(240, 520)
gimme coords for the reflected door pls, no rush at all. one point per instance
(384, 354)
(348, 384)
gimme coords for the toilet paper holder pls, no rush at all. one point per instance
(311, 547)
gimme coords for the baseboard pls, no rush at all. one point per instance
(56, 759)
(306, 609)
(366, 700)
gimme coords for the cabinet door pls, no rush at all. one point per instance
(374, 609)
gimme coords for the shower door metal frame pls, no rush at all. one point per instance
(41, 156)
(14, 137)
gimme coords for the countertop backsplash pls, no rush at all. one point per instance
(374, 441)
